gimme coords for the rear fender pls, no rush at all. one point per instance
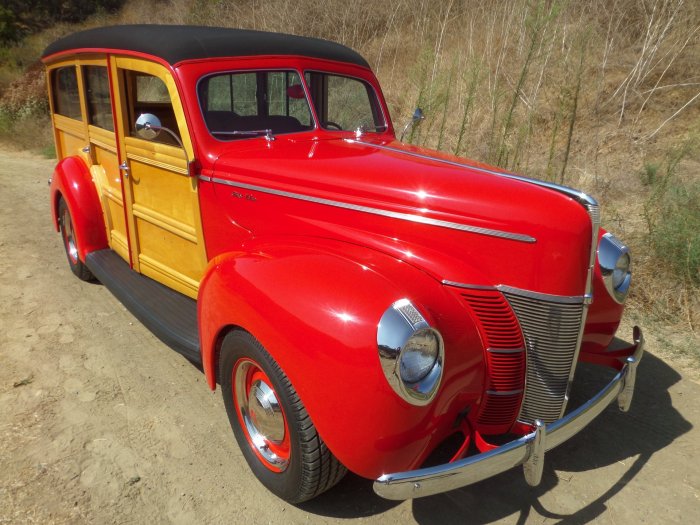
(315, 306)
(72, 181)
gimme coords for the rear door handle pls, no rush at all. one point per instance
(125, 168)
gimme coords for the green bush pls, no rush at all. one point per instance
(675, 237)
(672, 213)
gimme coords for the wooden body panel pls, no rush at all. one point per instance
(107, 178)
(70, 137)
(151, 209)
(164, 219)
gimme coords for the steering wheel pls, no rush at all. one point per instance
(331, 124)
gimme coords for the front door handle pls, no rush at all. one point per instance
(125, 168)
(86, 149)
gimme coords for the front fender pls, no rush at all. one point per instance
(72, 181)
(315, 306)
(604, 314)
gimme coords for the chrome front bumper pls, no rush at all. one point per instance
(528, 451)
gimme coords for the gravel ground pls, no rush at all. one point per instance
(102, 423)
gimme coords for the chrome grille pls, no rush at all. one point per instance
(551, 331)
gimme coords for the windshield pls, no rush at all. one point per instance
(250, 103)
(344, 103)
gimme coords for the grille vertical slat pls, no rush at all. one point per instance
(551, 331)
(505, 360)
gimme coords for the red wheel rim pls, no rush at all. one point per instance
(260, 415)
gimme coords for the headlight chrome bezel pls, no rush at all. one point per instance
(616, 276)
(401, 324)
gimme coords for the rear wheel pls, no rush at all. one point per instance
(69, 243)
(276, 435)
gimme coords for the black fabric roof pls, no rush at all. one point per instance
(177, 43)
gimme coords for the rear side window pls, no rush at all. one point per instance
(66, 98)
(99, 105)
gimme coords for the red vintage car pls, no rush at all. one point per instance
(360, 301)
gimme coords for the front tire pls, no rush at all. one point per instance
(70, 244)
(271, 425)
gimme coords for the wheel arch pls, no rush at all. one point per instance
(73, 183)
(315, 305)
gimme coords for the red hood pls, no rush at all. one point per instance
(418, 209)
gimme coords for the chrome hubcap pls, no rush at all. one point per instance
(262, 414)
(265, 412)
(69, 236)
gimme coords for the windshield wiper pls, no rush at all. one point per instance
(267, 132)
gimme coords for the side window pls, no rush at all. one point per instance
(148, 94)
(66, 98)
(246, 104)
(99, 105)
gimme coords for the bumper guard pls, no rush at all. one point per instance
(528, 451)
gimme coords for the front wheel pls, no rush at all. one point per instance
(69, 243)
(276, 435)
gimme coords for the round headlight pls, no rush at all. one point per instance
(419, 355)
(615, 262)
(622, 268)
(411, 353)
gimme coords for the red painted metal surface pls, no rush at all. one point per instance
(306, 253)
(72, 181)
(314, 304)
(288, 270)
(603, 316)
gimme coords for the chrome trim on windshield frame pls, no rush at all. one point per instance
(377, 211)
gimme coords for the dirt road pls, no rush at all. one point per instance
(102, 423)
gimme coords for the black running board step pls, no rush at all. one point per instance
(171, 316)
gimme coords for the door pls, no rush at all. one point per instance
(103, 153)
(164, 224)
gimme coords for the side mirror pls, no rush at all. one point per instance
(415, 120)
(417, 116)
(148, 126)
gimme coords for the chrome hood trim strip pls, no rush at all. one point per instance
(377, 211)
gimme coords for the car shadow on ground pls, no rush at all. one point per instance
(651, 424)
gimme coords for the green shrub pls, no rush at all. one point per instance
(675, 237)
(672, 213)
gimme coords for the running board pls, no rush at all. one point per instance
(171, 316)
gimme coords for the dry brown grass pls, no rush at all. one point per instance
(584, 93)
